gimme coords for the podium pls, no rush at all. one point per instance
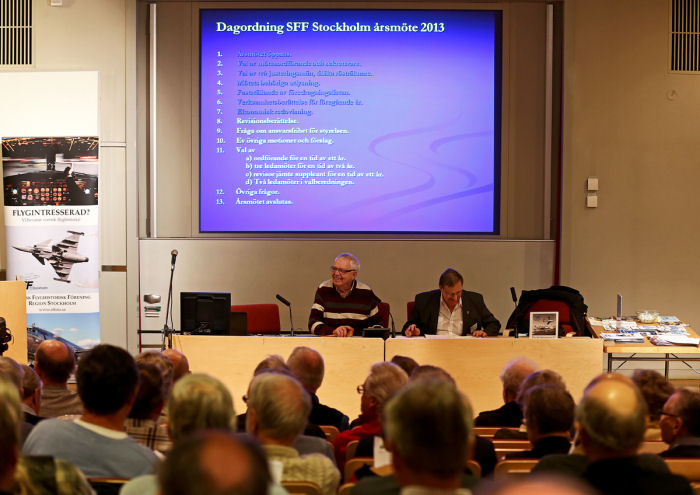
(13, 307)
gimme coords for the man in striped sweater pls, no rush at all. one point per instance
(343, 305)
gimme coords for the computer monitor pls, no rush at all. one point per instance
(205, 313)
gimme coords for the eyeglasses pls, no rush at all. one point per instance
(360, 389)
(341, 270)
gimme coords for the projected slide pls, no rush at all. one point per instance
(349, 121)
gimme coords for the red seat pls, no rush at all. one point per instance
(384, 310)
(262, 318)
(409, 309)
(565, 325)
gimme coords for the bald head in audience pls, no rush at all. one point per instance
(181, 366)
(55, 362)
(611, 418)
(308, 367)
(214, 463)
(536, 485)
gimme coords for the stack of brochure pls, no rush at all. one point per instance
(623, 338)
(674, 340)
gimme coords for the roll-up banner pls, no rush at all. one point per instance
(51, 221)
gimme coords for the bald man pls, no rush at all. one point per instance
(215, 463)
(181, 366)
(55, 363)
(611, 419)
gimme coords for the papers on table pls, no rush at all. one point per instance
(667, 325)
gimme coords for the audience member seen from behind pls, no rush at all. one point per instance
(55, 362)
(384, 380)
(429, 458)
(214, 463)
(142, 423)
(680, 424)
(541, 377)
(97, 443)
(535, 485)
(30, 475)
(181, 366)
(308, 367)
(656, 390)
(10, 369)
(549, 416)
(343, 305)
(31, 395)
(278, 410)
(449, 310)
(509, 414)
(406, 363)
(198, 402)
(611, 419)
(10, 433)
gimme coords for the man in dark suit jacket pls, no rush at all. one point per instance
(680, 424)
(450, 309)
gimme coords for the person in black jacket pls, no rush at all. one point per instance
(307, 366)
(451, 310)
(549, 415)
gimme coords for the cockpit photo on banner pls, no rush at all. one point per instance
(50, 190)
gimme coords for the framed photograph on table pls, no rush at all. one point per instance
(544, 324)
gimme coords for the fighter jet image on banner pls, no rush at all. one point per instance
(62, 255)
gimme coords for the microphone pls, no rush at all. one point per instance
(289, 305)
(168, 332)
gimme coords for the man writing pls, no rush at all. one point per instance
(450, 310)
(342, 304)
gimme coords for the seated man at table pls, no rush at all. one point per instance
(680, 424)
(343, 305)
(450, 310)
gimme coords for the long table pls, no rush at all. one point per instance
(476, 364)
(647, 351)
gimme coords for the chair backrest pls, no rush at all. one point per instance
(345, 488)
(351, 448)
(262, 318)
(474, 468)
(330, 431)
(107, 486)
(301, 488)
(559, 306)
(503, 447)
(354, 464)
(514, 467)
(384, 310)
(652, 447)
(489, 431)
(689, 468)
(409, 308)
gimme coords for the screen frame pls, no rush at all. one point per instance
(500, 126)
